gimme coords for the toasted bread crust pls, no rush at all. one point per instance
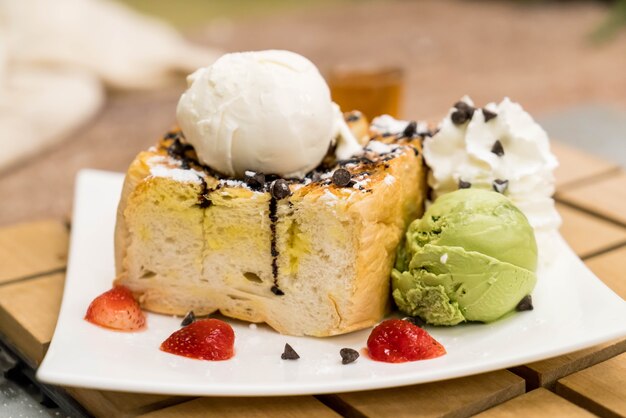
(351, 231)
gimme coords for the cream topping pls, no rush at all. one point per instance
(266, 111)
(468, 152)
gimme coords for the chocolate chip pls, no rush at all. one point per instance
(341, 177)
(415, 320)
(500, 185)
(203, 199)
(289, 353)
(416, 151)
(459, 117)
(410, 130)
(348, 355)
(316, 176)
(353, 117)
(176, 149)
(463, 113)
(488, 114)
(464, 107)
(171, 135)
(280, 189)
(526, 304)
(464, 184)
(461, 105)
(256, 181)
(497, 148)
(188, 319)
(276, 290)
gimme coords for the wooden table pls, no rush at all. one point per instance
(592, 200)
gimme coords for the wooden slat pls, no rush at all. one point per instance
(32, 248)
(282, 407)
(606, 197)
(105, 404)
(28, 314)
(611, 269)
(459, 397)
(538, 403)
(545, 373)
(601, 389)
(588, 234)
(576, 165)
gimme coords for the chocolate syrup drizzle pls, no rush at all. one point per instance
(203, 199)
(185, 153)
(273, 208)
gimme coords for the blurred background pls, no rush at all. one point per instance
(89, 83)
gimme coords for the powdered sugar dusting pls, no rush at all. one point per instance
(329, 198)
(233, 183)
(386, 124)
(361, 182)
(164, 166)
(381, 148)
(177, 174)
(162, 159)
(389, 179)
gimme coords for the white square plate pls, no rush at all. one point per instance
(573, 310)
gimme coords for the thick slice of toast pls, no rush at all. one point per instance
(314, 263)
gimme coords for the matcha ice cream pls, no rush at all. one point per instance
(471, 257)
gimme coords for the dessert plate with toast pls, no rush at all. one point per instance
(271, 244)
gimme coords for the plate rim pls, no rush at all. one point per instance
(48, 374)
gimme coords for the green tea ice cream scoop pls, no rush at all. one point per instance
(471, 257)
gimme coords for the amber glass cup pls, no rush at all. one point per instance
(372, 90)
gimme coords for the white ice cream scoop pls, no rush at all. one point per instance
(266, 111)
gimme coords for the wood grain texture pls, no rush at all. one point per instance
(32, 248)
(28, 314)
(105, 404)
(611, 269)
(281, 407)
(545, 373)
(538, 403)
(605, 197)
(576, 165)
(588, 234)
(452, 398)
(601, 389)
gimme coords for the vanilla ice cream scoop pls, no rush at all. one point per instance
(266, 111)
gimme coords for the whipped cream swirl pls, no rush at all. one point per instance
(498, 147)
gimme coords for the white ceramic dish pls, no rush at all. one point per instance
(573, 310)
